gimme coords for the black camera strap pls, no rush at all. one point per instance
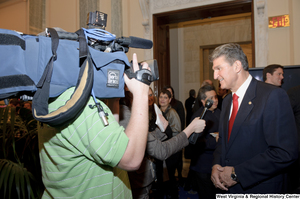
(75, 105)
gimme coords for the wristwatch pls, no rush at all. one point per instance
(234, 176)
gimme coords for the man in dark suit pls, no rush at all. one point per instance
(273, 74)
(251, 157)
(189, 104)
(294, 95)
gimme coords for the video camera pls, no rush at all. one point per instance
(44, 66)
(104, 41)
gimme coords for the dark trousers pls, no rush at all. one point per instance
(158, 186)
(205, 187)
(190, 183)
(172, 163)
(180, 165)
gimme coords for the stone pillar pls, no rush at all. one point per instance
(261, 33)
(116, 18)
(84, 8)
(144, 4)
(37, 11)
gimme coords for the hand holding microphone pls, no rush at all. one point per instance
(197, 125)
(193, 138)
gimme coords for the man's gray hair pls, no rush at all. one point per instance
(232, 52)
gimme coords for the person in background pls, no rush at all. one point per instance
(14, 102)
(141, 180)
(178, 106)
(273, 74)
(27, 105)
(257, 131)
(221, 95)
(22, 114)
(188, 152)
(173, 161)
(198, 103)
(201, 161)
(189, 104)
(294, 173)
(206, 82)
(170, 114)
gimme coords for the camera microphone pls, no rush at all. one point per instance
(135, 42)
(193, 138)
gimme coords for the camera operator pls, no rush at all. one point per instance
(85, 159)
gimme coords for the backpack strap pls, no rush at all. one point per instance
(75, 105)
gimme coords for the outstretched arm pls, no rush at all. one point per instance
(162, 150)
(137, 128)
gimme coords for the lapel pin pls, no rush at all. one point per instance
(250, 103)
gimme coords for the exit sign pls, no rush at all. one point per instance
(279, 21)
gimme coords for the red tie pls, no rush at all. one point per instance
(233, 113)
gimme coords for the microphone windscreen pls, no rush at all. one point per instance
(137, 42)
(209, 103)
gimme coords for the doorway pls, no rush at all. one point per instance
(206, 71)
(162, 22)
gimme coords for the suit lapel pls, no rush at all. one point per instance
(243, 112)
(227, 104)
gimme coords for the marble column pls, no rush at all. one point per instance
(144, 4)
(116, 18)
(37, 16)
(261, 33)
(84, 8)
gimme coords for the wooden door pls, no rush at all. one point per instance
(162, 55)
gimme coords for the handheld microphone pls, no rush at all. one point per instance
(193, 138)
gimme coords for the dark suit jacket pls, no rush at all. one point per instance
(178, 106)
(189, 104)
(202, 151)
(294, 95)
(263, 140)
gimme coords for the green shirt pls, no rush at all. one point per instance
(79, 160)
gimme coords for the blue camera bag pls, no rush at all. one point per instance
(28, 63)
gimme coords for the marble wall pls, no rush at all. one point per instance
(205, 35)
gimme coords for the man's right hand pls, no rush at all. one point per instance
(215, 177)
(136, 87)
